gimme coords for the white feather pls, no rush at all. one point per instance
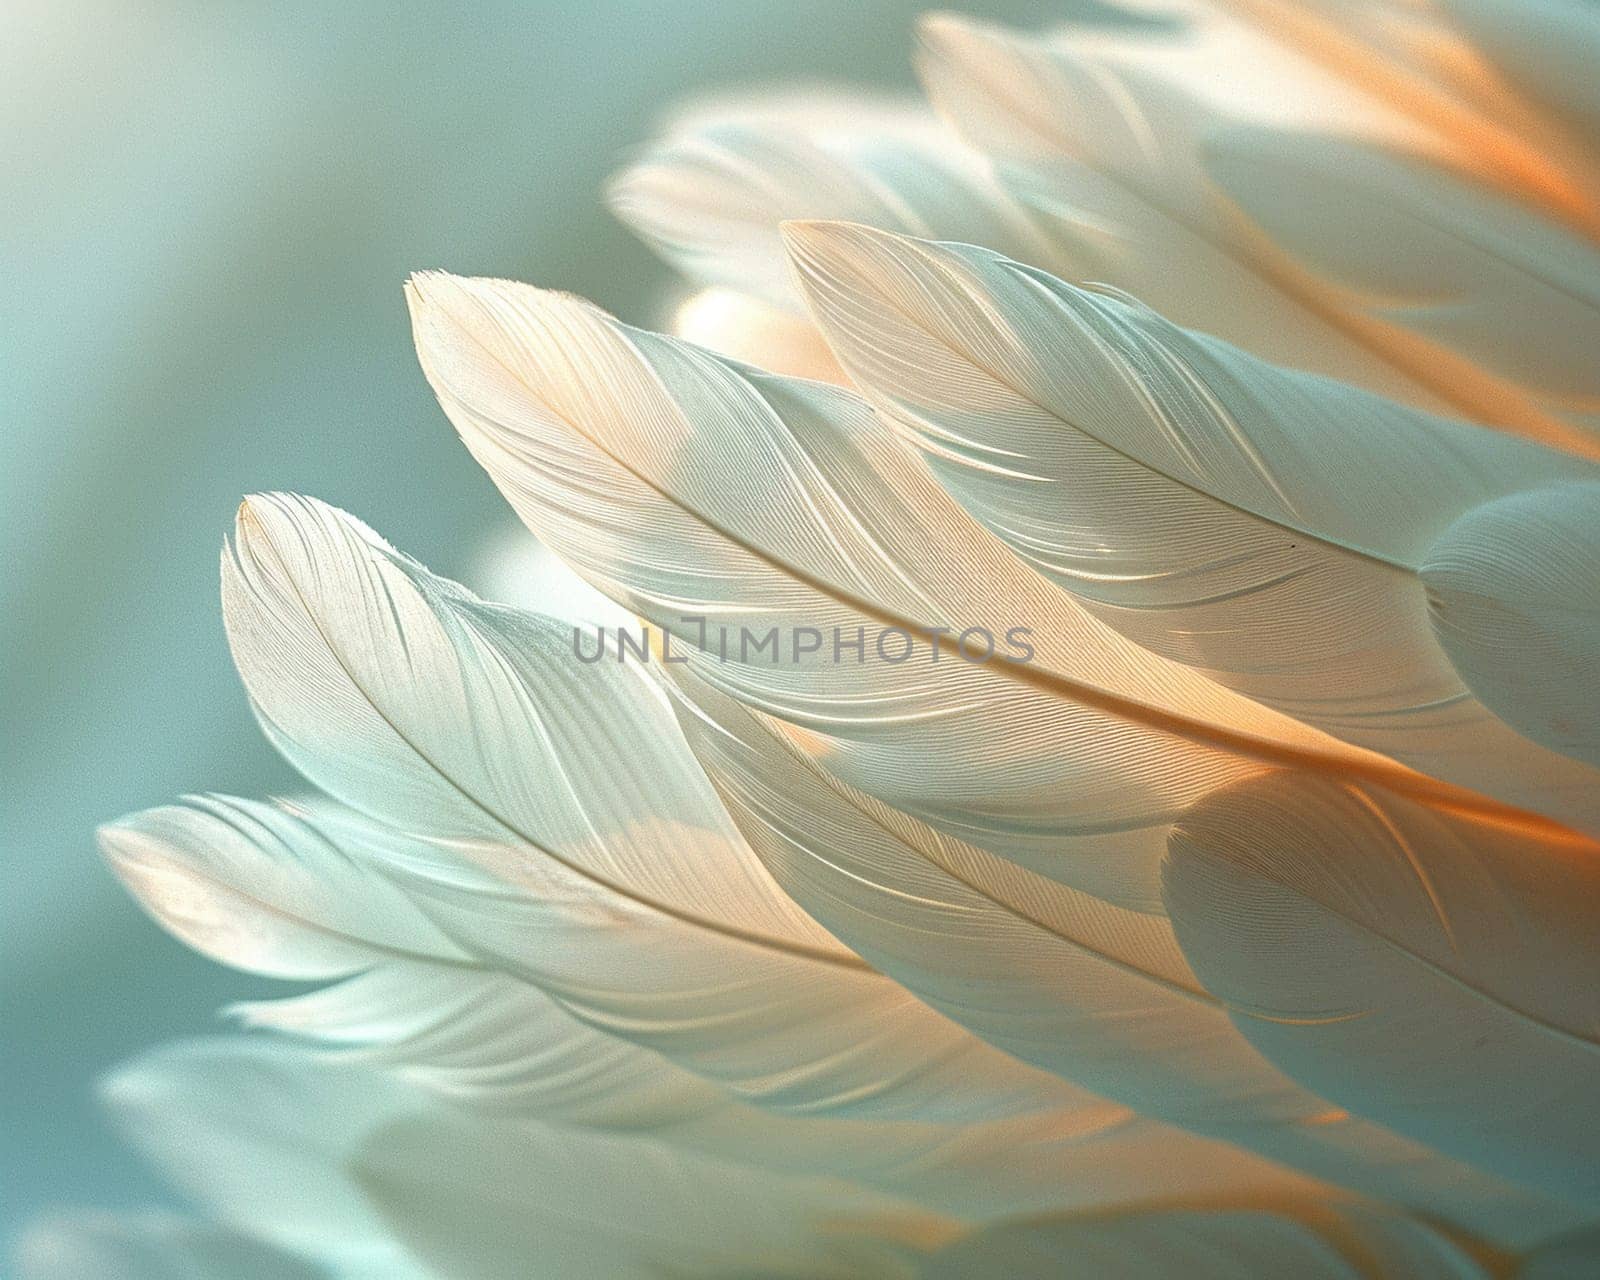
(1107, 146)
(237, 880)
(711, 194)
(1103, 148)
(1041, 972)
(260, 1135)
(267, 888)
(1430, 973)
(349, 1167)
(573, 838)
(1428, 62)
(613, 445)
(1548, 50)
(1416, 246)
(482, 1200)
(1263, 525)
(1514, 598)
(498, 1045)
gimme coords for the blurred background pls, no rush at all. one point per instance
(208, 212)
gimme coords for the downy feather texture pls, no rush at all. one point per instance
(1231, 910)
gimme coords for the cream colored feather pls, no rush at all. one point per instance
(326, 1161)
(596, 431)
(1426, 972)
(710, 195)
(1017, 961)
(1265, 526)
(624, 892)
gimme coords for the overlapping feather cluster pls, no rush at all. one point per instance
(1250, 362)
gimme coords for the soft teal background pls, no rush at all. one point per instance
(208, 210)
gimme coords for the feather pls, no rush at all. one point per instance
(1015, 959)
(258, 1134)
(1137, 99)
(1113, 163)
(1107, 159)
(1419, 247)
(491, 1041)
(1398, 41)
(710, 196)
(1429, 973)
(1233, 877)
(226, 874)
(500, 1046)
(477, 1036)
(304, 1153)
(1263, 525)
(1548, 50)
(801, 1029)
(267, 888)
(1514, 598)
(573, 839)
(480, 1199)
(368, 670)
(147, 1245)
(612, 445)
(1348, 1243)
(1418, 63)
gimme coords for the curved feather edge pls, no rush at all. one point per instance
(477, 1199)
(1435, 77)
(294, 1149)
(1429, 974)
(992, 962)
(1514, 599)
(258, 1135)
(710, 195)
(489, 1041)
(565, 833)
(1108, 152)
(1463, 267)
(1263, 525)
(1547, 48)
(1103, 146)
(269, 889)
(501, 1047)
(597, 432)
